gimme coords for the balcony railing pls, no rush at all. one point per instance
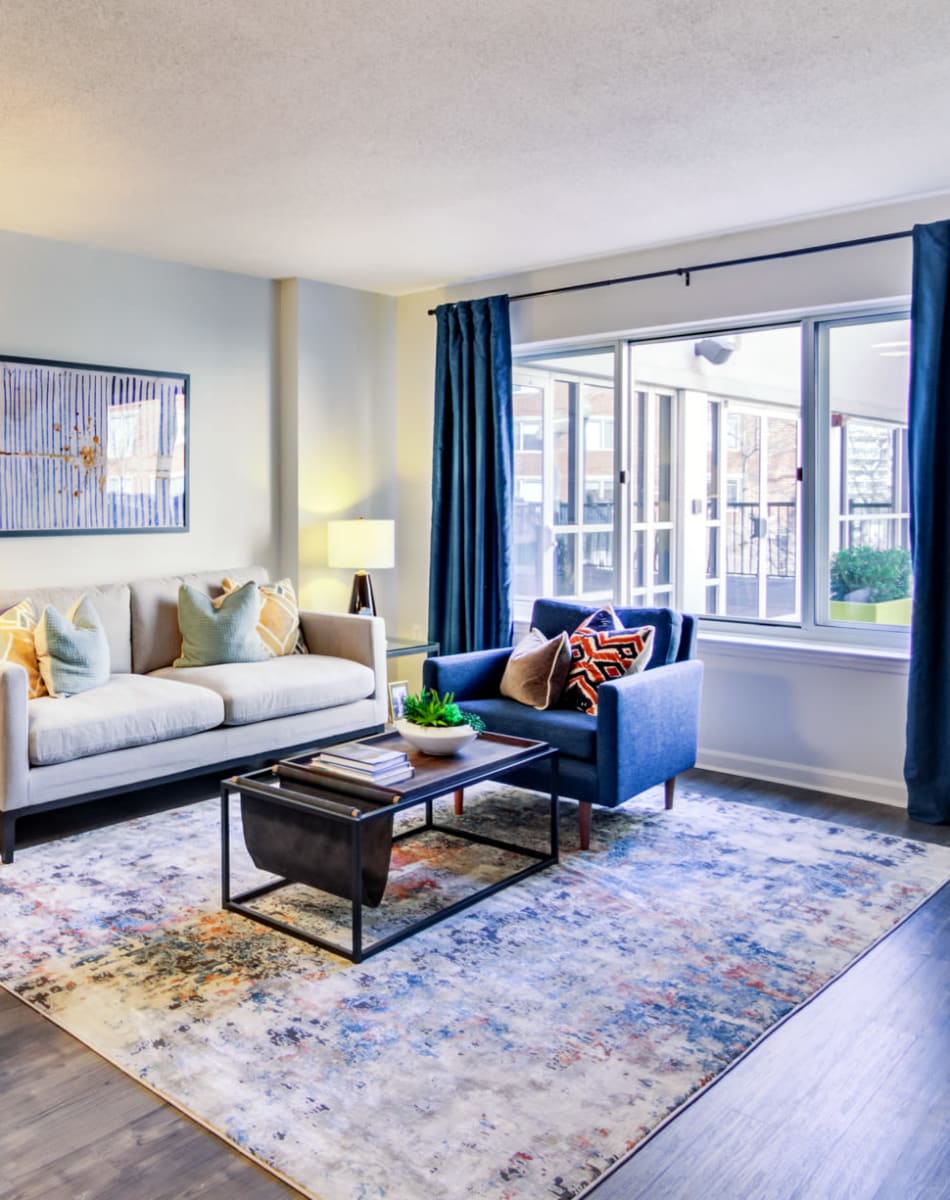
(747, 525)
(874, 525)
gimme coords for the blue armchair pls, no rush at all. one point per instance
(646, 728)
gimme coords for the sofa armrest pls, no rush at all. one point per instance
(14, 730)
(347, 635)
(647, 728)
(359, 638)
(473, 676)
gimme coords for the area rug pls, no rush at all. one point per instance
(515, 1051)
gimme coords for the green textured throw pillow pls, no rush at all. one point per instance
(221, 632)
(72, 650)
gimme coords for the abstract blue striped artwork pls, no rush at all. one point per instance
(91, 449)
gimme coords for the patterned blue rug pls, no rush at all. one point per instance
(517, 1050)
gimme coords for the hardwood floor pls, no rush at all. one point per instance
(850, 1098)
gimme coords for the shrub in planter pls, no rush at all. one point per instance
(436, 725)
(869, 575)
(429, 709)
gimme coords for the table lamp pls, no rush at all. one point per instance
(362, 545)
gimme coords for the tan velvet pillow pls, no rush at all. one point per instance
(537, 669)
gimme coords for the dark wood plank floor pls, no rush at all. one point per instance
(849, 1099)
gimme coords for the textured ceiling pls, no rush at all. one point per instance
(391, 144)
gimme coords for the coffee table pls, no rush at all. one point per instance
(336, 835)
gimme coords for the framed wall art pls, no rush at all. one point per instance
(92, 449)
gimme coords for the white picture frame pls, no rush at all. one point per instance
(398, 691)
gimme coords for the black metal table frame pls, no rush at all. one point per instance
(337, 810)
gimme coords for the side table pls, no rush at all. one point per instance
(396, 647)
(409, 653)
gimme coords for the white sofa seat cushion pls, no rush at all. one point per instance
(279, 687)
(130, 710)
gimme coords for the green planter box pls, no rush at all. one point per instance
(888, 612)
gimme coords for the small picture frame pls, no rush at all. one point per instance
(398, 691)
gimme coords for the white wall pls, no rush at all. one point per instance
(338, 367)
(60, 301)
(823, 722)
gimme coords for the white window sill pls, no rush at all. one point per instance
(884, 659)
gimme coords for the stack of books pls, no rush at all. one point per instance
(363, 762)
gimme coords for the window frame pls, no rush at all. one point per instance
(814, 494)
(544, 379)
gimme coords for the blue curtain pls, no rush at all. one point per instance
(927, 763)
(470, 554)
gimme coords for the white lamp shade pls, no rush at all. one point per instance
(361, 545)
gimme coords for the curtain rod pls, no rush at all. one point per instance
(686, 272)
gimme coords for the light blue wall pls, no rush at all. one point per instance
(338, 405)
(62, 301)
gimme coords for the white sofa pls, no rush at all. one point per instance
(153, 722)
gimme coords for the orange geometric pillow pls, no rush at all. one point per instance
(599, 655)
(17, 645)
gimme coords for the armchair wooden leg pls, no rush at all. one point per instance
(583, 823)
(669, 788)
(459, 795)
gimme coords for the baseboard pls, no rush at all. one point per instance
(817, 779)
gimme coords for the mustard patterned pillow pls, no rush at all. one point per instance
(17, 645)
(279, 623)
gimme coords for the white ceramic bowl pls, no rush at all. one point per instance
(436, 739)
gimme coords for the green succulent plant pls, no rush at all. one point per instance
(882, 574)
(428, 708)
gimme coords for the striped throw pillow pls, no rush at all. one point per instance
(17, 645)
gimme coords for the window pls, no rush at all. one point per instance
(565, 472)
(735, 403)
(863, 394)
(690, 484)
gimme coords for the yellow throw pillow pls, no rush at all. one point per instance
(17, 645)
(279, 623)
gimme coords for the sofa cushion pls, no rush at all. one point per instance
(599, 656)
(279, 687)
(17, 645)
(156, 638)
(219, 631)
(130, 710)
(72, 649)
(112, 601)
(551, 616)
(602, 620)
(278, 625)
(574, 733)
(537, 669)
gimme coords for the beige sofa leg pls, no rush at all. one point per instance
(669, 788)
(459, 795)
(583, 823)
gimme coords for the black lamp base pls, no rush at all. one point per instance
(362, 599)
